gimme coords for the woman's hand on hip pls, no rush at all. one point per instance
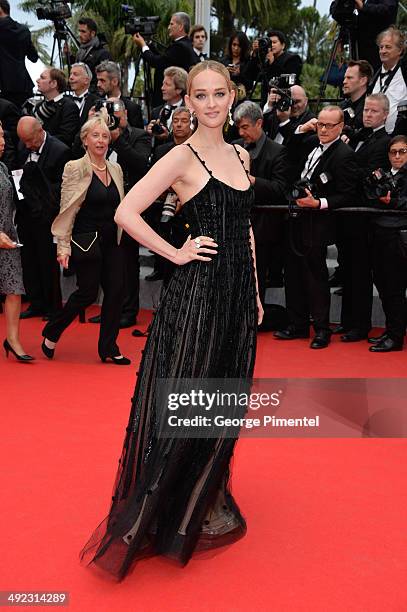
(194, 249)
(6, 242)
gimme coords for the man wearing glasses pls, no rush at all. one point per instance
(389, 253)
(330, 167)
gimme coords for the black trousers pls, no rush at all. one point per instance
(357, 296)
(390, 277)
(40, 266)
(307, 290)
(269, 260)
(106, 267)
(131, 302)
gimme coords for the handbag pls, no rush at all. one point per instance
(85, 247)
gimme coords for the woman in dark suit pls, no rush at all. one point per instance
(11, 274)
(92, 189)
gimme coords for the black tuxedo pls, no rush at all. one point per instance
(355, 122)
(307, 289)
(353, 238)
(9, 115)
(134, 112)
(179, 53)
(15, 45)
(269, 167)
(90, 100)
(64, 122)
(41, 188)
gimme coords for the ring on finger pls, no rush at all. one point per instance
(197, 243)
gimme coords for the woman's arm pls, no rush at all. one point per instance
(170, 169)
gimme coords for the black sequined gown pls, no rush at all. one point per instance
(171, 496)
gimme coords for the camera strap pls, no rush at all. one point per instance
(386, 78)
(312, 161)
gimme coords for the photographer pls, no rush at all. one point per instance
(108, 86)
(391, 78)
(15, 45)
(237, 60)
(173, 91)
(370, 146)
(282, 125)
(355, 83)
(58, 113)
(366, 19)
(270, 60)
(179, 53)
(328, 179)
(268, 175)
(389, 252)
(92, 50)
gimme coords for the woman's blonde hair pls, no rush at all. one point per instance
(208, 65)
(96, 120)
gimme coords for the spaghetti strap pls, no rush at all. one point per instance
(242, 162)
(200, 159)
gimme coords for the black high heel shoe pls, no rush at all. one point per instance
(9, 349)
(116, 360)
(48, 352)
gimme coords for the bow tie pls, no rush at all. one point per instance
(203, 55)
(78, 98)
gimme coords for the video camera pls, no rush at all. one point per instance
(113, 121)
(378, 184)
(146, 26)
(343, 12)
(53, 10)
(282, 85)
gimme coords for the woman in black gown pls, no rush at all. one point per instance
(171, 496)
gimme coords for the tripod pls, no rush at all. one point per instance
(61, 35)
(148, 81)
(346, 36)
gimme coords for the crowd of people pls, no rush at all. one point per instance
(71, 154)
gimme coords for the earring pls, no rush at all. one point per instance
(231, 122)
(191, 120)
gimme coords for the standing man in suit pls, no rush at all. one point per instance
(330, 166)
(15, 45)
(198, 37)
(108, 85)
(268, 175)
(370, 146)
(355, 83)
(173, 91)
(57, 112)
(79, 80)
(391, 78)
(42, 159)
(179, 53)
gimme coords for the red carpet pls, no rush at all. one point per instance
(326, 518)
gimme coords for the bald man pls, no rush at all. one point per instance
(42, 158)
(280, 125)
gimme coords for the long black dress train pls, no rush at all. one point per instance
(171, 496)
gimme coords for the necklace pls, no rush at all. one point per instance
(97, 167)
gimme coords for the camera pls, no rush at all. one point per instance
(299, 187)
(146, 26)
(264, 48)
(281, 85)
(112, 121)
(53, 10)
(378, 184)
(165, 114)
(343, 12)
